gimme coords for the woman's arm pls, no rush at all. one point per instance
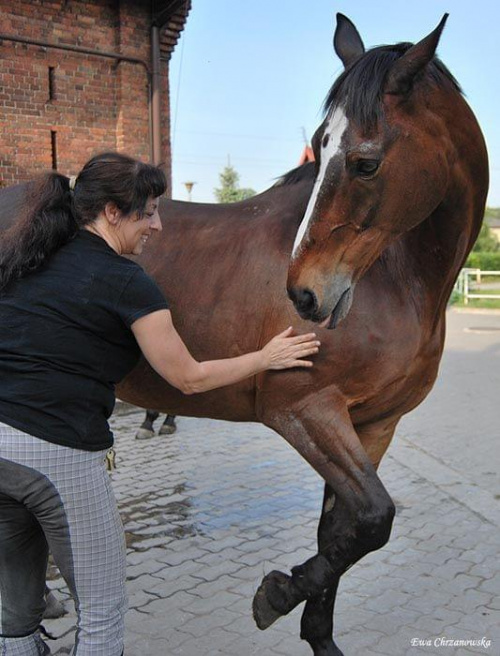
(165, 351)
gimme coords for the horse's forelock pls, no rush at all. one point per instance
(359, 88)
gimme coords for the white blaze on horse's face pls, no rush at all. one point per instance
(334, 130)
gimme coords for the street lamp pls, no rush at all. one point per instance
(189, 186)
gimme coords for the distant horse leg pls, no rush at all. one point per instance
(169, 426)
(146, 431)
(317, 618)
(361, 518)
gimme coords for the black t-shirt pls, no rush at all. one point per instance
(65, 341)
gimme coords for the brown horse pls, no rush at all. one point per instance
(392, 206)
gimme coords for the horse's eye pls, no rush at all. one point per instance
(325, 140)
(366, 168)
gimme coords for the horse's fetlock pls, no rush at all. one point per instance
(312, 577)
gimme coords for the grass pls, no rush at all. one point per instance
(485, 303)
(489, 285)
(486, 279)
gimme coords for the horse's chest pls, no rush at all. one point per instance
(399, 370)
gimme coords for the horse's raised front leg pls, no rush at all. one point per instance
(319, 427)
(146, 430)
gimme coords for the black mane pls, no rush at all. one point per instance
(305, 171)
(359, 88)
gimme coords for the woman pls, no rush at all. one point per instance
(75, 316)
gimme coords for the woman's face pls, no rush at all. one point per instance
(136, 229)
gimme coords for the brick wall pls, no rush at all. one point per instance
(58, 107)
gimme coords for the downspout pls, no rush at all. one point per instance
(155, 96)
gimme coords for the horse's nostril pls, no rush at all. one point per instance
(303, 299)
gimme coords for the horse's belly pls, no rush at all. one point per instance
(144, 388)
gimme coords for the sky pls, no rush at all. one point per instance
(248, 79)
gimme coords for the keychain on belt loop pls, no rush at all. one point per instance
(110, 460)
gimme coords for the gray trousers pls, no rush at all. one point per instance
(59, 499)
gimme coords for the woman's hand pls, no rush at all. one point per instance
(287, 350)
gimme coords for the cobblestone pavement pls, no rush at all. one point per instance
(211, 509)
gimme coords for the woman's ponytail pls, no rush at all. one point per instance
(55, 212)
(48, 223)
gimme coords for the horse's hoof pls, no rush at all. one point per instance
(144, 434)
(54, 608)
(168, 429)
(264, 611)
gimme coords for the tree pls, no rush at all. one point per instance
(229, 191)
(486, 241)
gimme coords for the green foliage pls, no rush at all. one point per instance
(229, 191)
(492, 213)
(486, 261)
(484, 303)
(486, 242)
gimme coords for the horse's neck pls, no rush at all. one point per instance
(271, 217)
(437, 248)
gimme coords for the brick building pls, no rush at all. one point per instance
(82, 76)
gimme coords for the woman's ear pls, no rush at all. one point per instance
(112, 213)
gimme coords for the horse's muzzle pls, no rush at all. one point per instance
(329, 314)
(305, 302)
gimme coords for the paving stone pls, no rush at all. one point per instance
(205, 589)
(459, 582)
(469, 601)
(393, 645)
(452, 567)
(431, 599)
(359, 642)
(204, 624)
(145, 567)
(217, 599)
(140, 599)
(387, 601)
(164, 589)
(266, 555)
(491, 585)
(486, 568)
(241, 625)
(484, 620)
(168, 573)
(214, 558)
(173, 558)
(210, 573)
(141, 584)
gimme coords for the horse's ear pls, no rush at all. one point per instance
(346, 41)
(401, 76)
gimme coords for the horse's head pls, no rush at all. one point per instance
(383, 161)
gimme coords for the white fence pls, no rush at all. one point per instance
(470, 279)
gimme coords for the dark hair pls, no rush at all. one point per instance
(54, 212)
(360, 86)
